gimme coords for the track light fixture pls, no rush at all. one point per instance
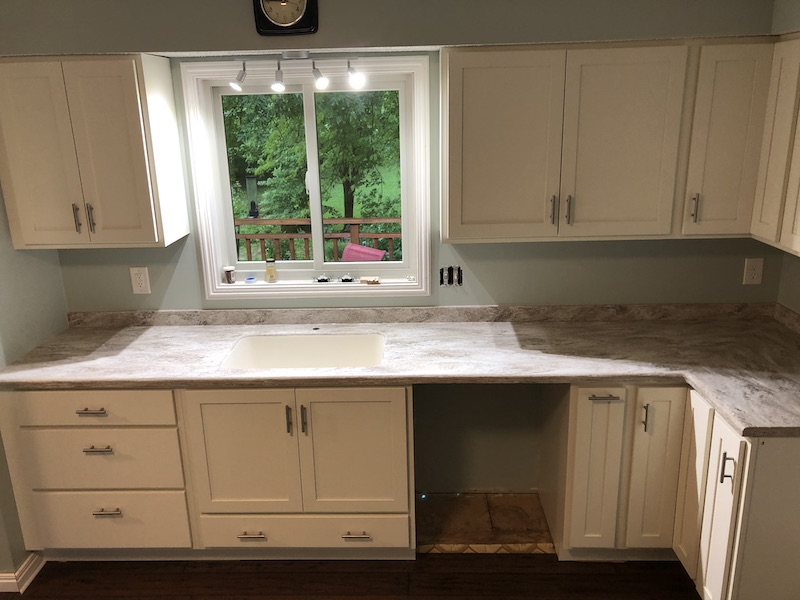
(240, 77)
(277, 85)
(357, 79)
(320, 81)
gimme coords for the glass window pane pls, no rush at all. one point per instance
(266, 147)
(358, 136)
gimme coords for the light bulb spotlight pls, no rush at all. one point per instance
(320, 81)
(357, 79)
(240, 77)
(277, 84)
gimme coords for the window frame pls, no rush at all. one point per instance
(209, 178)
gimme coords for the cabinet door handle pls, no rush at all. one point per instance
(95, 450)
(553, 210)
(245, 537)
(90, 217)
(357, 536)
(117, 512)
(303, 419)
(723, 463)
(646, 415)
(92, 412)
(695, 208)
(288, 419)
(569, 210)
(609, 398)
(76, 212)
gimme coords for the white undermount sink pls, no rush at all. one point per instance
(305, 351)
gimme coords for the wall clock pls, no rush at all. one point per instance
(282, 17)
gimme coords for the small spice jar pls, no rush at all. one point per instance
(272, 271)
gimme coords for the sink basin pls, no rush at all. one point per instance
(306, 350)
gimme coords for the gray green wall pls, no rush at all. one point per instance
(786, 16)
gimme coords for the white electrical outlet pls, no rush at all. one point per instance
(140, 280)
(753, 271)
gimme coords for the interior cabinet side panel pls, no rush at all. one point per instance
(553, 466)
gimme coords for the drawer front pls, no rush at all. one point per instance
(108, 458)
(95, 407)
(305, 531)
(145, 520)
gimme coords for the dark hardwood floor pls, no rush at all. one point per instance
(430, 577)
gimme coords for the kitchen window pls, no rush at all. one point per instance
(333, 184)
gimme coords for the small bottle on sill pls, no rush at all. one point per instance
(272, 271)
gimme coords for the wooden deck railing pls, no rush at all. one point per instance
(302, 239)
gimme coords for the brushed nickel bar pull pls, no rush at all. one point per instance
(288, 419)
(553, 217)
(723, 462)
(355, 536)
(90, 216)
(303, 419)
(569, 210)
(76, 211)
(695, 208)
(609, 398)
(92, 412)
(244, 536)
(117, 512)
(646, 415)
(94, 450)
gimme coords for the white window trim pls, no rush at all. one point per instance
(199, 79)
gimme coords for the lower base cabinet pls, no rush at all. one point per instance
(312, 468)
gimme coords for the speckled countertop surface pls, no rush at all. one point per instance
(748, 368)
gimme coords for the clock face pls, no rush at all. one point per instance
(284, 13)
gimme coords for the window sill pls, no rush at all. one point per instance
(308, 289)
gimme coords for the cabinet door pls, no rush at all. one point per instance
(728, 451)
(353, 449)
(692, 481)
(599, 419)
(776, 145)
(503, 144)
(658, 427)
(726, 138)
(105, 106)
(622, 115)
(243, 450)
(38, 165)
(790, 227)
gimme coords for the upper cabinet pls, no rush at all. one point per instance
(560, 143)
(90, 153)
(732, 86)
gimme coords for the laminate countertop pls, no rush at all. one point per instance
(748, 369)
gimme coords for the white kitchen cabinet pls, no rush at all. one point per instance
(611, 132)
(776, 147)
(599, 421)
(96, 469)
(729, 110)
(655, 461)
(90, 152)
(695, 452)
(256, 453)
(503, 143)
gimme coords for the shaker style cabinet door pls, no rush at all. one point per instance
(39, 173)
(779, 127)
(105, 107)
(243, 450)
(622, 117)
(655, 460)
(598, 434)
(502, 143)
(353, 449)
(726, 138)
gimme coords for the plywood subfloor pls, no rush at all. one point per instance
(482, 524)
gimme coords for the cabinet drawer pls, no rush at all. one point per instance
(305, 531)
(95, 408)
(145, 520)
(107, 458)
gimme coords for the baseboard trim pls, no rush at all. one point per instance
(27, 572)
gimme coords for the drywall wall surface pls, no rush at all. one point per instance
(89, 26)
(789, 291)
(786, 16)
